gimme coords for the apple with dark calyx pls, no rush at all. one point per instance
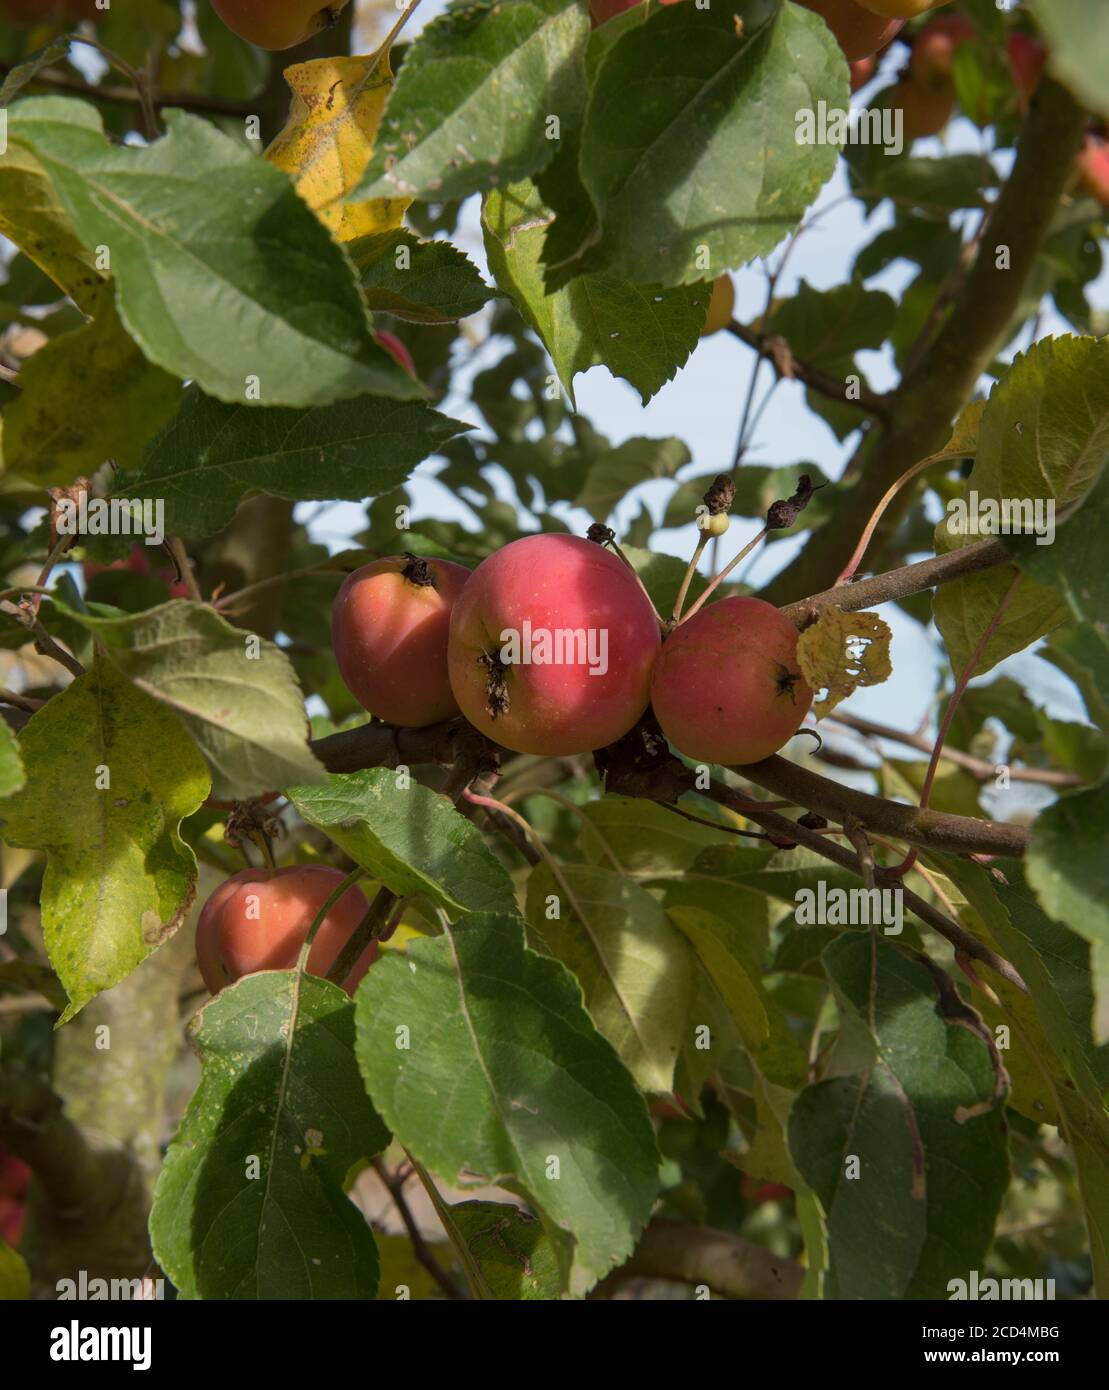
(277, 24)
(258, 920)
(727, 687)
(552, 645)
(858, 32)
(389, 628)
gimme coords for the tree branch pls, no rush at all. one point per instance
(978, 768)
(926, 402)
(127, 96)
(821, 382)
(727, 1265)
(901, 582)
(948, 834)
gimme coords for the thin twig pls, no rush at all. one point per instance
(420, 1247)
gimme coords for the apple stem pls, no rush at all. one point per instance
(373, 927)
(952, 705)
(891, 492)
(715, 583)
(687, 580)
(347, 883)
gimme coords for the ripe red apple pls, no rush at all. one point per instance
(76, 10)
(389, 627)
(727, 686)
(1093, 168)
(902, 9)
(759, 1192)
(535, 621)
(934, 49)
(858, 32)
(257, 920)
(1026, 62)
(276, 24)
(925, 110)
(27, 11)
(396, 349)
(721, 305)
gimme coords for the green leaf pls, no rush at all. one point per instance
(31, 213)
(410, 838)
(250, 1203)
(434, 282)
(115, 774)
(1056, 1040)
(224, 275)
(515, 1255)
(15, 1277)
(482, 1060)
(636, 461)
(84, 397)
(1082, 653)
(776, 1060)
(211, 454)
(12, 774)
(236, 694)
(1077, 34)
(1061, 393)
(644, 836)
(1043, 438)
(936, 187)
(920, 1111)
(703, 169)
(1069, 870)
(473, 99)
(642, 333)
(636, 972)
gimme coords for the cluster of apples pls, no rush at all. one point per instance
(420, 640)
(551, 646)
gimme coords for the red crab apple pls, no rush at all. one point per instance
(13, 1213)
(858, 32)
(27, 11)
(552, 645)
(1026, 63)
(276, 24)
(396, 349)
(14, 1176)
(258, 919)
(1093, 168)
(934, 49)
(727, 686)
(389, 627)
(925, 110)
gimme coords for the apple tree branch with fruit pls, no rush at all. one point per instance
(508, 901)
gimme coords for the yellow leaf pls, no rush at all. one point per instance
(964, 437)
(842, 651)
(329, 138)
(32, 216)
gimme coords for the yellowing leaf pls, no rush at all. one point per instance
(841, 651)
(32, 216)
(329, 138)
(964, 435)
(87, 396)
